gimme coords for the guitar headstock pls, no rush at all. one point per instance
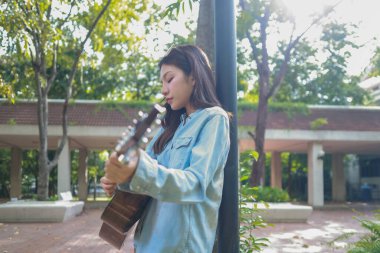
(132, 136)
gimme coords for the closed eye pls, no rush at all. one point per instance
(170, 79)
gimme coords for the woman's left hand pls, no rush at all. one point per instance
(117, 172)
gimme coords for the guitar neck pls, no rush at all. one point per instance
(126, 208)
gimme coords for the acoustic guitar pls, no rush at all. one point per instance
(126, 208)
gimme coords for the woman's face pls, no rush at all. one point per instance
(177, 87)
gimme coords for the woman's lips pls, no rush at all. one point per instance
(169, 100)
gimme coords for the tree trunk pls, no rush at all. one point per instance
(258, 167)
(205, 29)
(43, 182)
(43, 172)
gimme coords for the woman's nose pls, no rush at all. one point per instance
(164, 90)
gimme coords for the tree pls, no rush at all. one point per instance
(255, 18)
(302, 69)
(332, 84)
(325, 81)
(205, 24)
(42, 32)
(205, 29)
(374, 69)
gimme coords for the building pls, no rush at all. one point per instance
(314, 130)
(372, 85)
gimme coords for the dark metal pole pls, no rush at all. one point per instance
(225, 66)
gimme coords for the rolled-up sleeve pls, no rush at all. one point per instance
(189, 185)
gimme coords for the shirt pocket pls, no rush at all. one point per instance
(180, 151)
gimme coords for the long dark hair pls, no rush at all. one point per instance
(193, 62)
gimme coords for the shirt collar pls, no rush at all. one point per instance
(184, 117)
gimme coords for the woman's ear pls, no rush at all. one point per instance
(192, 80)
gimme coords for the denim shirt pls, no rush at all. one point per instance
(186, 183)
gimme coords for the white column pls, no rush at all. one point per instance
(64, 170)
(276, 171)
(338, 178)
(315, 174)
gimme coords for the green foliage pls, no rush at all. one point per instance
(289, 108)
(374, 69)
(46, 43)
(122, 105)
(29, 164)
(177, 7)
(318, 123)
(245, 162)
(369, 243)
(301, 70)
(11, 122)
(5, 160)
(108, 64)
(250, 218)
(307, 79)
(6, 91)
(267, 194)
(331, 83)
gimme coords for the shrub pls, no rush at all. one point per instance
(370, 242)
(267, 194)
(250, 218)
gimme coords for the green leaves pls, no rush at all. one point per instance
(370, 242)
(375, 64)
(176, 7)
(250, 217)
(6, 91)
(318, 123)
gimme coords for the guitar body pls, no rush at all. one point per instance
(126, 208)
(121, 213)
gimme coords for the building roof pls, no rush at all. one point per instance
(335, 118)
(98, 125)
(80, 113)
(98, 113)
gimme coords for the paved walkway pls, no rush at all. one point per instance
(80, 235)
(318, 234)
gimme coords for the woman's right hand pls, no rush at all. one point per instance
(108, 186)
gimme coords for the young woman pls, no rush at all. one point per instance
(182, 167)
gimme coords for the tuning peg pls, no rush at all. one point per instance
(141, 114)
(118, 146)
(121, 158)
(158, 121)
(148, 130)
(134, 121)
(144, 139)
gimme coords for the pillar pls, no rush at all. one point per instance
(82, 175)
(225, 73)
(315, 174)
(64, 170)
(16, 171)
(276, 171)
(338, 178)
